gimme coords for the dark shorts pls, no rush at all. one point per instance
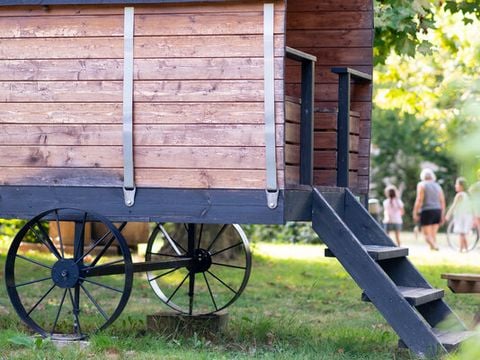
(392, 227)
(430, 217)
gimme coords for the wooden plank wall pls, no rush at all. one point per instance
(340, 34)
(198, 91)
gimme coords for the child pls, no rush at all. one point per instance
(392, 212)
(462, 213)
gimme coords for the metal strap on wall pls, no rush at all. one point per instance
(128, 168)
(269, 105)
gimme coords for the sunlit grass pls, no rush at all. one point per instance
(298, 304)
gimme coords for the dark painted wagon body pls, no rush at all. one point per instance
(196, 113)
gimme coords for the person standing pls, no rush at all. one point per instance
(392, 212)
(429, 207)
(475, 197)
(462, 213)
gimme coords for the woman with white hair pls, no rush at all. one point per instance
(429, 207)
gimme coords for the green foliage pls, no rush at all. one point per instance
(291, 232)
(399, 24)
(425, 105)
(9, 228)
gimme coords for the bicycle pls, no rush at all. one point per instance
(454, 243)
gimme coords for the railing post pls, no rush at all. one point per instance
(343, 130)
(343, 120)
(307, 123)
(306, 112)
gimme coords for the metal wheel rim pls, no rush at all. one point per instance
(12, 286)
(163, 296)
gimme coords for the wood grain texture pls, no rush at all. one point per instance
(224, 23)
(174, 46)
(144, 69)
(144, 91)
(144, 135)
(168, 178)
(144, 113)
(174, 157)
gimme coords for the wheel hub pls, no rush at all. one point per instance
(202, 260)
(65, 273)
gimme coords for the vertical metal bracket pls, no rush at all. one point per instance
(269, 105)
(129, 188)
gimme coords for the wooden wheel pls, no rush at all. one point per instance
(217, 274)
(61, 291)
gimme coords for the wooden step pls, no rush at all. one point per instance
(451, 340)
(378, 252)
(416, 296)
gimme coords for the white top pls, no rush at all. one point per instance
(392, 211)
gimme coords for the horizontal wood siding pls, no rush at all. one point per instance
(339, 33)
(198, 92)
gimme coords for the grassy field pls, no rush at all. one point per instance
(298, 305)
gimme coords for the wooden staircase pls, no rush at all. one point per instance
(415, 310)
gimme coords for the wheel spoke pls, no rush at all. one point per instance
(59, 311)
(41, 299)
(222, 282)
(191, 291)
(228, 248)
(200, 236)
(76, 310)
(210, 291)
(90, 267)
(162, 254)
(45, 240)
(178, 287)
(110, 241)
(171, 241)
(60, 239)
(224, 227)
(33, 282)
(33, 261)
(230, 266)
(80, 238)
(161, 275)
(99, 308)
(101, 285)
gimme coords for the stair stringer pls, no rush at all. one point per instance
(365, 227)
(409, 325)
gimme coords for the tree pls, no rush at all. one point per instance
(426, 103)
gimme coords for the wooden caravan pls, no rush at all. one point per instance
(207, 102)
(207, 113)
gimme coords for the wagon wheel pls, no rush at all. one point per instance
(62, 291)
(217, 274)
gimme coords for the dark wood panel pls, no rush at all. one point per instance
(329, 20)
(145, 47)
(144, 113)
(323, 73)
(148, 91)
(145, 69)
(329, 92)
(292, 174)
(325, 177)
(292, 154)
(325, 159)
(292, 112)
(145, 135)
(329, 38)
(176, 157)
(330, 5)
(292, 133)
(325, 140)
(170, 178)
(161, 205)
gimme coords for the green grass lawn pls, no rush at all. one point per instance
(298, 305)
